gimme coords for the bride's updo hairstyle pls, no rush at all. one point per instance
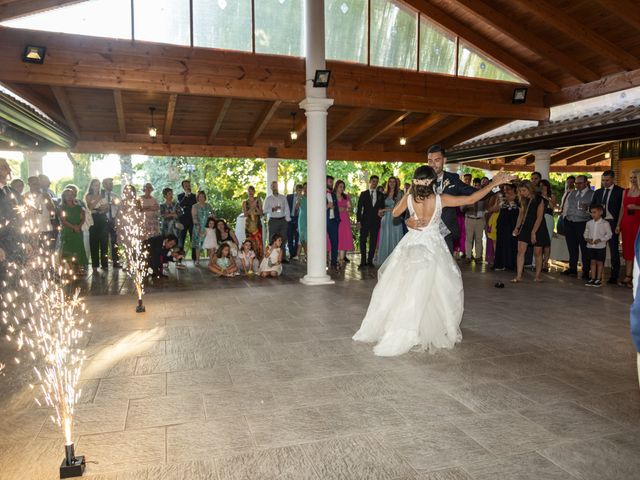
(424, 182)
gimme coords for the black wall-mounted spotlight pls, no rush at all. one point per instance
(519, 95)
(34, 54)
(321, 79)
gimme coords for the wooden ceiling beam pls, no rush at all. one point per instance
(219, 119)
(596, 159)
(589, 153)
(168, 118)
(441, 133)
(97, 63)
(19, 8)
(562, 155)
(300, 127)
(344, 123)
(262, 121)
(65, 108)
(529, 40)
(485, 165)
(580, 33)
(479, 127)
(489, 47)
(381, 127)
(625, 10)
(416, 129)
(610, 84)
(257, 151)
(122, 126)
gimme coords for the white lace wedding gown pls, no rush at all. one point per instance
(419, 298)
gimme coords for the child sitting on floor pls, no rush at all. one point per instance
(271, 266)
(223, 264)
(247, 260)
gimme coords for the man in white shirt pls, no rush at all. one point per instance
(277, 211)
(113, 206)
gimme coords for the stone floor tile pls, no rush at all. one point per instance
(356, 458)
(198, 381)
(490, 397)
(347, 418)
(93, 418)
(203, 440)
(568, 420)
(596, 459)
(621, 407)
(545, 389)
(288, 463)
(307, 393)
(131, 387)
(196, 470)
(176, 362)
(239, 400)
(160, 411)
(527, 466)
(446, 474)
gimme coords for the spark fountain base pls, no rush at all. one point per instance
(72, 466)
(140, 308)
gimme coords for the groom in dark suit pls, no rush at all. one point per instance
(610, 197)
(368, 217)
(450, 184)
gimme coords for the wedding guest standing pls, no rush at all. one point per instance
(170, 212)
(345, 236)
(252, 209)
(98, 241)
(550, 206)
(368, 219)
(186, 201)
(72, 218)
(277, 210)
(391, 231)
(506, 241)
(200, 213)
(302, 221)
(577, 205)
(448, 183)
(43, 212)
(474, 224)
(150, 209)
(293, 235)
(17, 185)
(10, 233)
(610, 197)
(493, 204)
(628, 225)
(333, 222)
(531, 229)
(113, 204)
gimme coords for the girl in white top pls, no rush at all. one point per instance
(597, 233)
(247, 261)
(271, 266)
(210, 243)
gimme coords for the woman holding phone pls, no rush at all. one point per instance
(628, 224)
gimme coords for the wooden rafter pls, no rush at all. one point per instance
(625, 10)
(416, 129)
(562, 155)
(441, 133)
(262, 121)
(580, 33)
(67, 111)
(610, 84)
(596, 159)
(300, 127)
(122, 127)
(586, 154)
(486, 45)
(219, 119)
(347, 121)
(385, 124)
(487, 165)
(528, 39)
(478, 128)
(168, 119)
(18, 8)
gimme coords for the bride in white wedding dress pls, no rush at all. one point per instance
(419, 298)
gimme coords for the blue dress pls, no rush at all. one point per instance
(391, 231)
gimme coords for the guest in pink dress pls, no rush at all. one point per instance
(345, 236)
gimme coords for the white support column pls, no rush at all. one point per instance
(316, 105)
(272, 172)
(542, 162)
(34, 162)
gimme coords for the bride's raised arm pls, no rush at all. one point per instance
(401, 206)
(500, 178)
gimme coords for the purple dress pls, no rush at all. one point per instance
(345, 236)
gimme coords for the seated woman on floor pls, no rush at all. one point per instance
(223, 263)
(271, 266)
(224, 234)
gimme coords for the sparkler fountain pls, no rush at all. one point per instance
(131, 224)
(47, 322)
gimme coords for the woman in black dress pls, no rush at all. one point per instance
(531, 228)
(506, 242)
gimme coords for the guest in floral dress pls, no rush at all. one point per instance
(150, 212)
(170, 211)
(200, 212)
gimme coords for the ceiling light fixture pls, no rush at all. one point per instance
(33, 54)
(403, 139)
(519, 95)
(153, 131)
(293, 133)
(321, 79)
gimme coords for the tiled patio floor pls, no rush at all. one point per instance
(260, 380)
